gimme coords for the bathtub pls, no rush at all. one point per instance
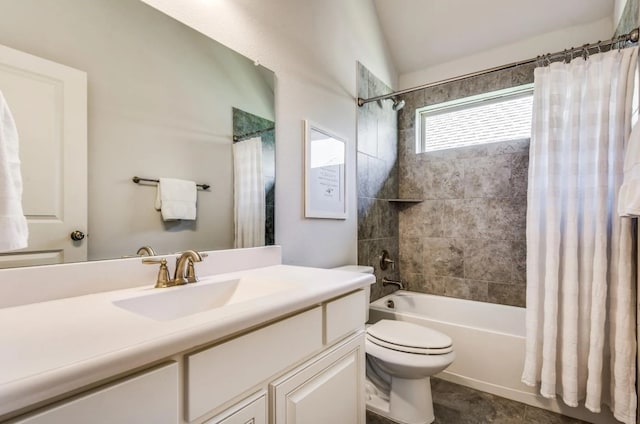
(489, 342)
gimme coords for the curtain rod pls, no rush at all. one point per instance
(251, 134)
(631, 37)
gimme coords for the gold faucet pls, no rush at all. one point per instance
(146, 249)
(185, 270)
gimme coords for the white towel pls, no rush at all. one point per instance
(177, 199)
(629, 194)
(13, 225)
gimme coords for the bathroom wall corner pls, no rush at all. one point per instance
(377, 180)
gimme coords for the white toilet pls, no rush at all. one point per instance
(401, 358)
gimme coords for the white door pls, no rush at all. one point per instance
(49, 104)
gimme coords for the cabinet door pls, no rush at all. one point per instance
(329, 390)
(251, 411)
(151, 397)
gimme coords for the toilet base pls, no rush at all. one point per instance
(409, 401)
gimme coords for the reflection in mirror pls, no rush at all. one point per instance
(159, 100)
(248, 127)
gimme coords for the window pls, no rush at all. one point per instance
(487, 118)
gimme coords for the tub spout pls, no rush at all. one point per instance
(387, 281)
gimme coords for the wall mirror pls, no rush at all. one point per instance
(325, 186)
(160, 102)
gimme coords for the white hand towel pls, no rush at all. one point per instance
(177, 199)
(629, 194)
(14, 232)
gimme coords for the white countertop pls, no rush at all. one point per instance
(51, 348)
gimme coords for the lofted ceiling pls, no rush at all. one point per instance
(424, 33)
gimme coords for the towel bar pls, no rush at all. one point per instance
(137, 180)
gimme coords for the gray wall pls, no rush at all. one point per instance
(160, 98)
(467, 239)
(377, 180)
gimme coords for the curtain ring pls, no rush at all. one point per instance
(599, 46)
(565, 56)
(585, 53)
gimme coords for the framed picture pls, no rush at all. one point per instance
(325, 177)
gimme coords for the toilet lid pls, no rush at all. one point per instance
(409, 337)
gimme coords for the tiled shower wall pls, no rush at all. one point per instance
(467, 238)
(377, 180)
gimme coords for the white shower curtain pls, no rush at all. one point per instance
(581, 338)
(249, 200)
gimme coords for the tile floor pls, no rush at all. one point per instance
(455, 404)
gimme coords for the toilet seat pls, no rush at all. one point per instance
(409, 338)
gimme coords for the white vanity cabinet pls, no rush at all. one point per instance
(149, 397)
(329, 388)
(222, 372)
(333, 379)
(306, 367)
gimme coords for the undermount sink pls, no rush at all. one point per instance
(181, 301)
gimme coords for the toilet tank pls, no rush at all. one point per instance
(363, 269)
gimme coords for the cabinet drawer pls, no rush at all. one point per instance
(250, 411)
(151, 397)
(222, 372)
(344, 315)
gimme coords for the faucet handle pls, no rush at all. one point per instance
(385, 261)
(163, 280)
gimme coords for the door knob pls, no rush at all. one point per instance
(77, 235)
